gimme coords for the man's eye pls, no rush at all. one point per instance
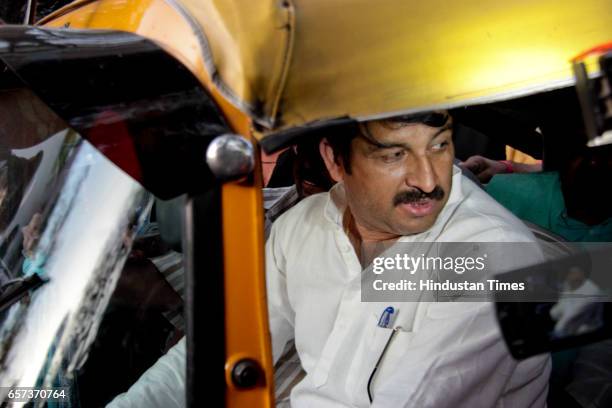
(439, 146)
(393, 156)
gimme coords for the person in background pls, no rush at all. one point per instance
(572, 199)
(484, 168)
(573, 202)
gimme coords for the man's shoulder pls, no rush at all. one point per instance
(485, 219)
(309, 212)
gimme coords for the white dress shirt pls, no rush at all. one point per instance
(161, 386)
(446, 354)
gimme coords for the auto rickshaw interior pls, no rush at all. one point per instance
(165, 128)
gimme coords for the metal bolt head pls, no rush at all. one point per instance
(246, 373)
(230, 157)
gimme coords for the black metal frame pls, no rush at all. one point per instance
(203, 254)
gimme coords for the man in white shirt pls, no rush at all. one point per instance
(396, 183)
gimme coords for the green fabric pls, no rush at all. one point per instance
(537, 198)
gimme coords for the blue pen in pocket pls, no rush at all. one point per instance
(386, 317)
(385, 321)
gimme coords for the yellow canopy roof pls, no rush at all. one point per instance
(290, 62)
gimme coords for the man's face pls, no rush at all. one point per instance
(401, 175)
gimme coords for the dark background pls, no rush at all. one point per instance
(13, 11)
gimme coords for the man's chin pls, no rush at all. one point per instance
(415, 225)
(415, 228)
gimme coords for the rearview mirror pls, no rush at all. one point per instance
(566, 304)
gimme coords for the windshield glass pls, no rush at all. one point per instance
(89, 292)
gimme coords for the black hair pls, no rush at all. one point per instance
(309, 167)
(340, 137)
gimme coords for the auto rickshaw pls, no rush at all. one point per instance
(111, 107)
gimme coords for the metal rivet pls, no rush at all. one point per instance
(230, 156)
(246, 373)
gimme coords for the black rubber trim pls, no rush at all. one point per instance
(281, 139)
(204, 306)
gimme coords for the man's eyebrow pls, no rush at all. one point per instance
(370, 139)
(381, 145)
(448, 126)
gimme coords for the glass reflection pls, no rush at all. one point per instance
(69, 216)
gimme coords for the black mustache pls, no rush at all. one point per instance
(413, 196)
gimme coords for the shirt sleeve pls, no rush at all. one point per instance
(280, 312)
(161, 386)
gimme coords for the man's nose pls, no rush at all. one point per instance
(421, 175)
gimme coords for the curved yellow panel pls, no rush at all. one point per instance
(249, 50)
(400, 56)
(290, 62)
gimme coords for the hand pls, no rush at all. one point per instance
(578, 310)
(484, 168)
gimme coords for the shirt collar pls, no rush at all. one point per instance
(336, 201)
(336, 204)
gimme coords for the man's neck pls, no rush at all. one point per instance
(367, 243)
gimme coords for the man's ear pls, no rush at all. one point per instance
(336, 171)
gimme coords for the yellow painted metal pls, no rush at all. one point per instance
(411, 55)
(290, 62)
(249, 50)
(247, 333)
(366, 59)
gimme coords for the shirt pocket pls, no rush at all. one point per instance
(340, 352)
(365, 358)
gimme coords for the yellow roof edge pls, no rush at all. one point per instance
(213, 73)
(68, 8)
(249, 69)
